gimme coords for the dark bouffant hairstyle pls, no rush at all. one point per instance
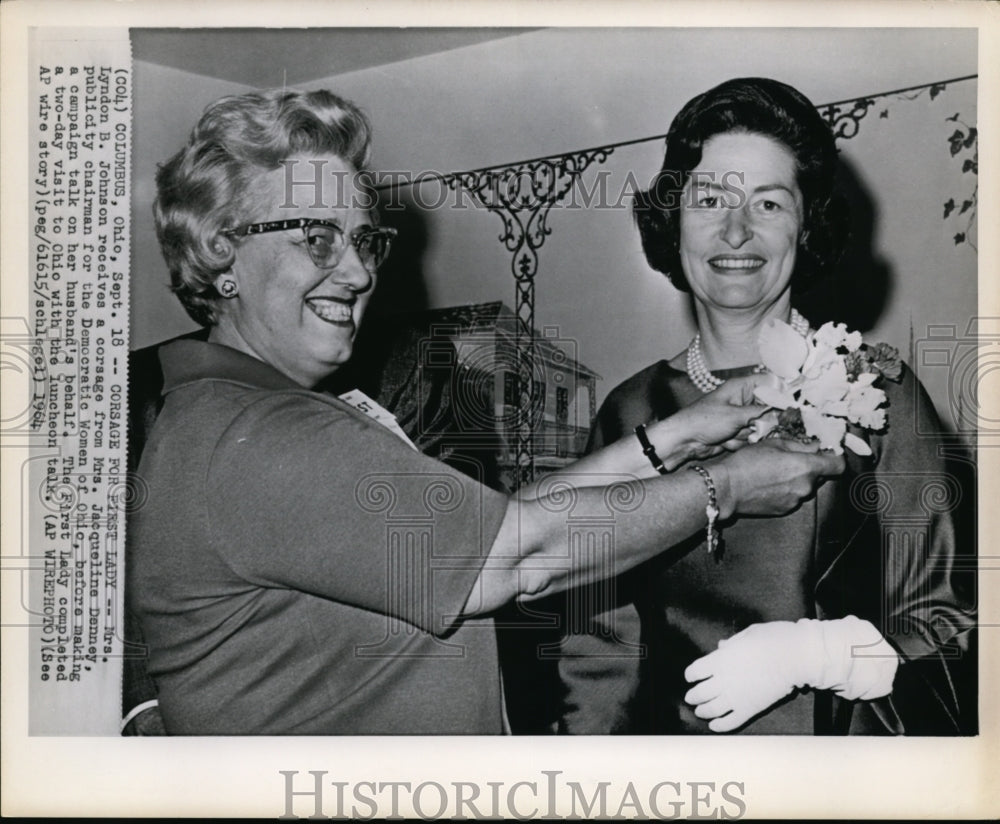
(208, 186)
(760, 106)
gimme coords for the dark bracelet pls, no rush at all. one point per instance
(648, 450)
(712, 510)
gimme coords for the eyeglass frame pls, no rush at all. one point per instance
(304, 223)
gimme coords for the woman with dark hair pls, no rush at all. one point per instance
(297, 568)
(753, 106)
(800, 622)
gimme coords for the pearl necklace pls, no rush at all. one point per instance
(705, 380)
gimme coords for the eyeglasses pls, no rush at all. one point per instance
(326, 241)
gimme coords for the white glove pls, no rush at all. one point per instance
(762, 664)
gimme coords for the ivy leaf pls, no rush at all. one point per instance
(966, 205)
(936, 89)
(959, 238)
(970, 166)
(971, 138)
(956, 141)
(949, 207)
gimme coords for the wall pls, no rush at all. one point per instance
(167, 105)
(551, 91)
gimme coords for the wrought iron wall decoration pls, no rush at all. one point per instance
(845, 122)
(523, 193)
(845, 116)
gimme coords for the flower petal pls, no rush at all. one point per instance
(782, 349)
(831, 334)
(836, 335)
(838, 409)
(863, 404)
(774, 395)
(827, 386)
(819, 358)
(856, 445)
(762, 426)
(828, 431)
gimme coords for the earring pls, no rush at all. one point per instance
(228, 287)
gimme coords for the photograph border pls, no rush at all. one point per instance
(782, 777)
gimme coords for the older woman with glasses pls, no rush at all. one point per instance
(297, 568)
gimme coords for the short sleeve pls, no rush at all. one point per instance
(303, 493)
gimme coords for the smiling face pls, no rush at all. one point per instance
(299, 318)
(740, 222)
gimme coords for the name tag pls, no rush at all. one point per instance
(360, 401)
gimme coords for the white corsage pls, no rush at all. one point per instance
(819, 383)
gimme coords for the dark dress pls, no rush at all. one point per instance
(877, 543)
(297, 570)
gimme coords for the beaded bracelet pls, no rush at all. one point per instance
(648, 450)
(712, 538)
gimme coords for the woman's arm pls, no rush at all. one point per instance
(531, 557)
(716, 422)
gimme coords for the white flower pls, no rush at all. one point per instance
(782, 349)
(827, 387)
(853, 341)
(865, 411)
(836, 334)
(863, 402)
(819, 358)
(810, 374)
(774, 392)
(827, 430)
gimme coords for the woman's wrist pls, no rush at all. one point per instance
(672, 448)
(723, 490)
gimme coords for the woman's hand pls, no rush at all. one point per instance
(759, 666)
(714, 423)
(772, 477)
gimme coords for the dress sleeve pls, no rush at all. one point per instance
(600, 652)
(903, 566)
(928, 600)
(303, 494)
